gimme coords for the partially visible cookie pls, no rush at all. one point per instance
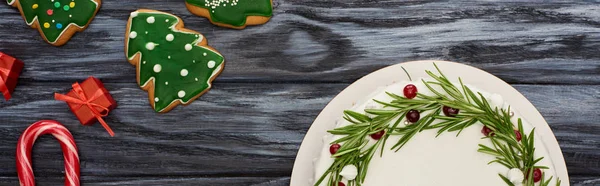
(174, 64)
(57, 20)
(232, 13)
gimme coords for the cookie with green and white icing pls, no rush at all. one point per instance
(57, 20)
(233, 13)
(174, 64)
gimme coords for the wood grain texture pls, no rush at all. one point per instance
(278, 77)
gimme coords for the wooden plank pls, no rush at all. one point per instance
(240, 129)
(340, 41)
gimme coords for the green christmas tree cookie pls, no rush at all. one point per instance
(57, 20)
(233, 13)
(174, 64)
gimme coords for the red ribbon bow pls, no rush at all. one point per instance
(5, 72)
(83, 100)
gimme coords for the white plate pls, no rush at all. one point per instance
(311, 145)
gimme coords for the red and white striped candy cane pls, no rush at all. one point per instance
(24, 169)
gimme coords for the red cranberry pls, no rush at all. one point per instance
(537, 175)
(487, 131)
(341, 184)
(410, 91)
(378, 135)
(518, 135)
(413, 116)
(334, 148)
(449, 111)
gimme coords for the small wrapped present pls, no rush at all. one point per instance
(10, 69)
(89, 101)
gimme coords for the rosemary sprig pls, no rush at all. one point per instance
(508, 150)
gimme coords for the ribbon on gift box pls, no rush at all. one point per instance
(5, 72)
(82, 100)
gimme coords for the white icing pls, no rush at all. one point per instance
(188, 47)
(515, 176)
(183, 72)
(157, 68)
(167, 20)
(150, 19)
(181, 94)
(349, 172)
(211, 64)
(496, 101)
(133, 35)
(170, 37)
(427, 160)
(150, 45)
(134, 14)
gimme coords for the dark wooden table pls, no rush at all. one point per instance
(278, 77)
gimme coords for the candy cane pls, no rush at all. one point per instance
(24, 169)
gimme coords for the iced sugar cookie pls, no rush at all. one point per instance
(57, 20)
(175, 65)
(233, 13)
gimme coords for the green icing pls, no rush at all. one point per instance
(235, 14)
(169, 81)
(80, 15)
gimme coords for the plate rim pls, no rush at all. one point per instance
(304, 159)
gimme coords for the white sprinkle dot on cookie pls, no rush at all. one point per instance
(181, 94)
(150, 19)
(157, 68)
(150, 46)
(204, 54)
(166, 83)
(133, 35)
(196, 79)
(170, 37)
(183, 72)
(156, 99)
(169, 57)
(188, 47)
(211, 64)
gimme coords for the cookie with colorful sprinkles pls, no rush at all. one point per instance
(57, 20)
(174, 64)
(232, 13)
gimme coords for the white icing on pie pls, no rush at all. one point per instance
(349, 172)
(427, 160)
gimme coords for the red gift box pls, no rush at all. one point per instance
(10, 69)
(89, 101)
